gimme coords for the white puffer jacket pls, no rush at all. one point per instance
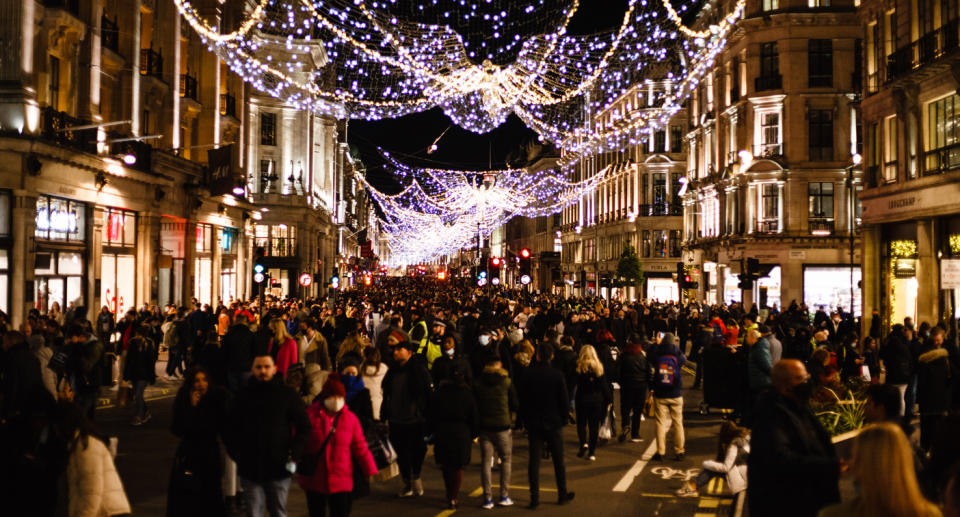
(734, 465)
(95, 489)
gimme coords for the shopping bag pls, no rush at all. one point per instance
(648, 407)
(865, 372)
(380, 446)
(606, 428)
(124, 395)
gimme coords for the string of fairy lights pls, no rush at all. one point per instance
(478, 61)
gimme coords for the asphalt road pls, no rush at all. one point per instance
(623, 481)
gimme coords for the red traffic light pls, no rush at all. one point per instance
(441, 275)
(525, 253)
(686, 278)
(495, 261)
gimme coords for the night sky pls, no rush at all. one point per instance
(408, 138)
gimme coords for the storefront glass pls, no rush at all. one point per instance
(203, 265)
(60, 219)
(4, 251)
(118, 263)
(60, 261)
(662, 290)
(228, 264)
(170, 264)
(731, 293)
(768, 289)
(58, 278)
(829, 286)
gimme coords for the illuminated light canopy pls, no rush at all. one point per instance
(478, 61)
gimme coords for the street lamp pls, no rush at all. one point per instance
(851, 224)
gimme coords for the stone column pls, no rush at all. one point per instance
(94, 263)
(22, 255)
(189, 261)
(134, 20)
(18, 98)
(148, 235)
(872, 275)
(928, 299)
(88, 96)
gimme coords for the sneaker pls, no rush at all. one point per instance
(636, 439)
(487, 503)
(657, 457)
(582, 451)
(452, 504)
(679, 457)
(592, 458)
(417, 487)
(505, 501)
(406, 491)
(687, 491)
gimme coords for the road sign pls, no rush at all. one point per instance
(306, 279)
(525, 279)
(258, 277)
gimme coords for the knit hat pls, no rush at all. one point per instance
(332, 388)
(396, 337)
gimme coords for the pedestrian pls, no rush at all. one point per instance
(282, 346)
(634, 379)
(238, 346)
(93, 485)
(883, 467)
(337, 445)
(733, 449)
(793, 469)
(543, 407)
(372, 371)
(199, 417)
(140, 370)
(774, 344)
(449, 360)
(496, 400)
(934, 389)
(314, 348)
(667, 386)
(454, 423)
(406, 392)
(592, 401)
(898, 362)
(267, 427)
(84, 357)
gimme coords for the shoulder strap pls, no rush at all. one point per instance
(333, 428)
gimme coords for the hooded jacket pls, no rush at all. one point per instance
(496, 399)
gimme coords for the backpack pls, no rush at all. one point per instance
(718, 337)
(668, 368)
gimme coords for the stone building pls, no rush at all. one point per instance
(771, 157)
(911, 112)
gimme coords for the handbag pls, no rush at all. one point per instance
(307, 464)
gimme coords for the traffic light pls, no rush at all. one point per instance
(525, 263)
(683, 279)
(495, 263)
(749, 274)
(441, 275)
(335, 279)
(258, 268)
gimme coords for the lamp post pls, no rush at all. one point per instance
(851, 219)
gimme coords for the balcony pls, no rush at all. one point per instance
(770, 82)
(188, 86)
(930, 47)
(890, 172)
(228, 105)
(71, 6)
(109, 34)
(820, 226)
(53, 127)
(151, 63)
(768, 226)
(942, 160)
(660, 209)
(768, 150)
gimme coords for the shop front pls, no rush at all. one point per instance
(173, 231)
(60, 263)
(5, 251)
(662, 287)
(118, 262)
(203, 264)
(229, 243)
(831, 286)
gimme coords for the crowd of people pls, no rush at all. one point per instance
(331, 393)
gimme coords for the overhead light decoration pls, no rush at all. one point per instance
(477, 61)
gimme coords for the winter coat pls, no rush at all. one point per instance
(267, 426)
(406, 392)
(141, 361)
(315, 350)
(286, 354)
(634, 370)
(334, 473)
(734, 465)
(198, 428)
(49, 377)
(94, 487)
(666, 347)
(933, 381)
(373, 380)
(444, 365)
(454, 421)
(592, 391)
(565, 360)
(776, 348)
(544, 401)
(314, 378)
(759, 364)
(792, 460)
(496, 398)
(238, 348)
(19, 377)
(897, 359)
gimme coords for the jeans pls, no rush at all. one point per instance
(554, 441)
(339, 503)
(139, 404)
(500, 442)
(910, 399)
(669, 414)
(407, 440)
(632, 398)
(269, 494)
(589, 415)
(903, 390)
(175, 360)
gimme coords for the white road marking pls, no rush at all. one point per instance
(636, 469)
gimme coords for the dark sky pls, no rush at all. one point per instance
(408, 137)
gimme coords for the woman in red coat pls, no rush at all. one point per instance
(332, 481)
(283, 348)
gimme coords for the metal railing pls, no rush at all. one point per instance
(53, 127)
(228, 105)
(188, 86)
(151, 63)
(820, 225)
(109, 34)
(942, 160)
(770, 82)
(660, 209)
(929, 47)
(768, 226)
(768, 150)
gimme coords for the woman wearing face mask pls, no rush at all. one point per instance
(337, 431)
(448, 361)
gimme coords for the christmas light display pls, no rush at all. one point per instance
(478, 61)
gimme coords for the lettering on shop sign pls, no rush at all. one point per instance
(904, 202)
(67, 190)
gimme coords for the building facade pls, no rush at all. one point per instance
(771, 167)
(637, 204)
(912, 164)
(125, 147)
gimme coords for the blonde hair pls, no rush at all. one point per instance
(280, 334)
(589, 362)
(883, 463)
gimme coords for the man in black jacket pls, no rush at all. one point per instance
(543, 407)
(898, 362)
(238, 347)
(267, 430)
(793, 469)
(406, 390)
(634, 378)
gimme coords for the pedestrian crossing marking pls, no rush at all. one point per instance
(704, 515)
(446, 513)
(709, 502)
(715, 486)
